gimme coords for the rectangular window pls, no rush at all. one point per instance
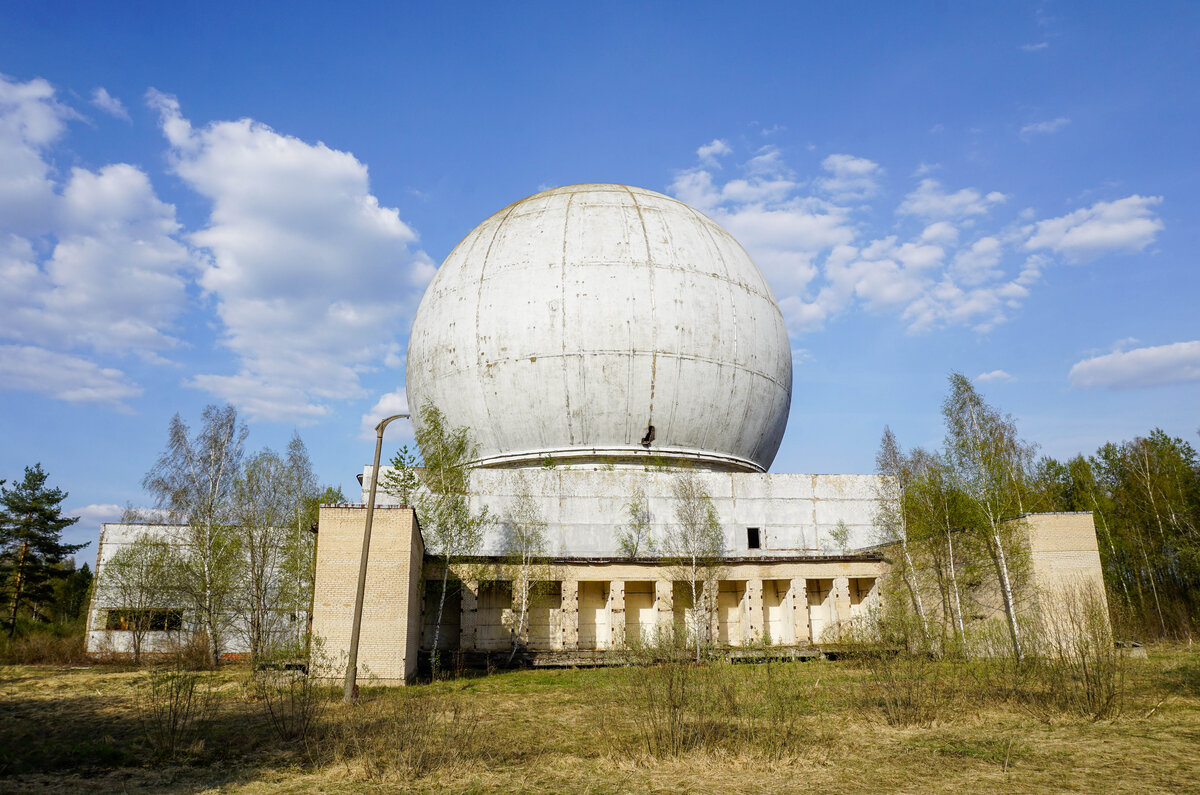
(752, 538)
(151, 620)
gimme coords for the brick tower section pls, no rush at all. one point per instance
(391, 621)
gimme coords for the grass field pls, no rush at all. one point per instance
(813, 727)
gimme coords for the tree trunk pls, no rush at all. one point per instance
(1006, 592)
(437, 624)
(16, 602)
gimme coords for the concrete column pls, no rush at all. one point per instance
(798, 593)
(841, 598)
(752, 614)
(570, 614)
(468, 615)
(710, 603)
(664, 603)
(616, 613)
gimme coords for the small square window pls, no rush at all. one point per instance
(752, 538)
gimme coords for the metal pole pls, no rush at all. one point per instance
(352, 663)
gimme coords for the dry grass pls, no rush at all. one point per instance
(64, 729)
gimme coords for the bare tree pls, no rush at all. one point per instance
(193, 480)
(527, 554)
(439, 491)
(137, 582)
(696, 545)
(262, 513)
(635, 539)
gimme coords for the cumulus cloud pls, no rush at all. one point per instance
(64, 377)
(1140, 367)
(89, 265)
(850, 178)
(994, 375)
(944, 263)
(109, 104)
(388, 405)
(1127, 224)
(933, 202)
(1043, 127)
(311, 276)
(709, 153)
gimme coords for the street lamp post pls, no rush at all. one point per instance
(352, 662)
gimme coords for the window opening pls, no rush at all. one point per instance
(752, 538)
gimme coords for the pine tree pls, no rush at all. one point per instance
(31, 525)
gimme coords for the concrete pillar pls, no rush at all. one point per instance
(664, 603)
(798, 594)
(570, 614)
(616, 613)
(841, 599)
(468, 615)
(752, 614)
(709, 594)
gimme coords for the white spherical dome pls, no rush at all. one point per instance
(570, 322)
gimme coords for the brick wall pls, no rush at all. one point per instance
(391, 631)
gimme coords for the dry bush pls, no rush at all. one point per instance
(295, 701)
(174, 704)
(1074, 664)
(904, 678)
(398, 737)
(44, 648)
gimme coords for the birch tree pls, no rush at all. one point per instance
(891, 505)
(439, 491)
(527, 553)
(634, 539)
(990, 465)
(193, 482)
(696, 545)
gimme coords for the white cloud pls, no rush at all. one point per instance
(312, 278)
(823, 257)
(932, 202)
(709, 153)
(109, 104)
(96, 514)
(994, 375)
(1127, 224)
(31, 119)
(64, 377)
(1141, 367)
(91, 264)
(389, 404)
(1043, 127)
(851, 178)
(1035, 47)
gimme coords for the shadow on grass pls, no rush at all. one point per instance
(86, 738)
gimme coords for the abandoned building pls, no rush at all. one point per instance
(598, 340)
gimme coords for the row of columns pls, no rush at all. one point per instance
(752, 616)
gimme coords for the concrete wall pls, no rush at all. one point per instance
(605, 604)
(586, 508)
(391, 619)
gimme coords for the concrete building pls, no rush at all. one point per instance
(598, 339)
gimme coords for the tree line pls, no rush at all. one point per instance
(953, 518)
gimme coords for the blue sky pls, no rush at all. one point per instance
(243, 202)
